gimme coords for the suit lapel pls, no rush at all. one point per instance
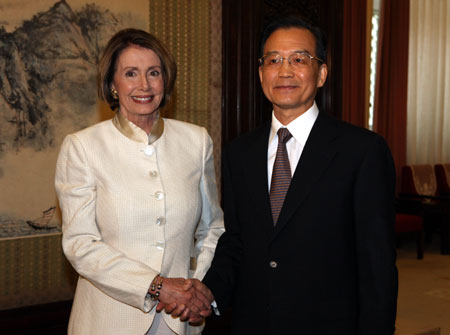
(316, 157)
(256, 175)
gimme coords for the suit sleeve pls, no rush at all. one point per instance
(210, 227)
(124, 279)
(375, 241)
(222, 275)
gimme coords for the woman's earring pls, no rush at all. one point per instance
(114, 94)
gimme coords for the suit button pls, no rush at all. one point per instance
(148, 151)
(154, 174)
(273, 264)
(160, 221)
(159, 195)
(160, 245)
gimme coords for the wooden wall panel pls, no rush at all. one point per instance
(242, 95)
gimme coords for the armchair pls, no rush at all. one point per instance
(419, 185)
(442, 172)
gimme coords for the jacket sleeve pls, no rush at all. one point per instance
(210, 227)
(375, 240)
(124, 279)
(222, 275)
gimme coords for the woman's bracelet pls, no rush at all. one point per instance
(155, 287)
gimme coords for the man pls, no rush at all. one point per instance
(325, 262)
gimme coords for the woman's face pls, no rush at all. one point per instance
(139, 82)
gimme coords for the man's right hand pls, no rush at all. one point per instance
(193, 306)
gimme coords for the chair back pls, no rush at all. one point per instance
(442, 172)
(419, 180)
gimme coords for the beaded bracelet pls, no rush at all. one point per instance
(157, 285)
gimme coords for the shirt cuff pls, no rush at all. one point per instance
(215, 308)
(147, 303)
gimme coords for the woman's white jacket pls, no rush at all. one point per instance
(133, 207)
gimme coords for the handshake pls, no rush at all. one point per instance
(188, 299)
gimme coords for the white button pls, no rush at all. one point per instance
(160, 245)
(159, 195)
(148, 151)
(273, 264)
(154, 174)
(160, 221)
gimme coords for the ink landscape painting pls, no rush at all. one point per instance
(48, 61)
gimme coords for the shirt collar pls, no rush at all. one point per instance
(299, 128)
(133, 132)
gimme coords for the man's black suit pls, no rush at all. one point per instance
(328, 267)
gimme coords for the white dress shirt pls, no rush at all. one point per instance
(300, 129)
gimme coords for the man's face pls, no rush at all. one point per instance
(291, 89)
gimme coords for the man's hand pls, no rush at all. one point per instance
(201, 290)
(204, 291)
(180, 299)
(188, 299)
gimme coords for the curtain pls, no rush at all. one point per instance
(428, 127)
(392, 78)
(354, 62)
(192, 31)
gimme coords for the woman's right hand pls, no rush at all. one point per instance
(180, 298)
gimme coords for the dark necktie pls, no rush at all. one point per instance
(281, 174)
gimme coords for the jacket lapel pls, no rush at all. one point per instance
(316, 157)
(256, 176)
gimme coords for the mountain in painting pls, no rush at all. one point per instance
(47, 73)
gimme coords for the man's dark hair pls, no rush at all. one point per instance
(296, 22)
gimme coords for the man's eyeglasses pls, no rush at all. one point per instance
(298, 59)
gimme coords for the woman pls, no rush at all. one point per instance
(138, 197)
